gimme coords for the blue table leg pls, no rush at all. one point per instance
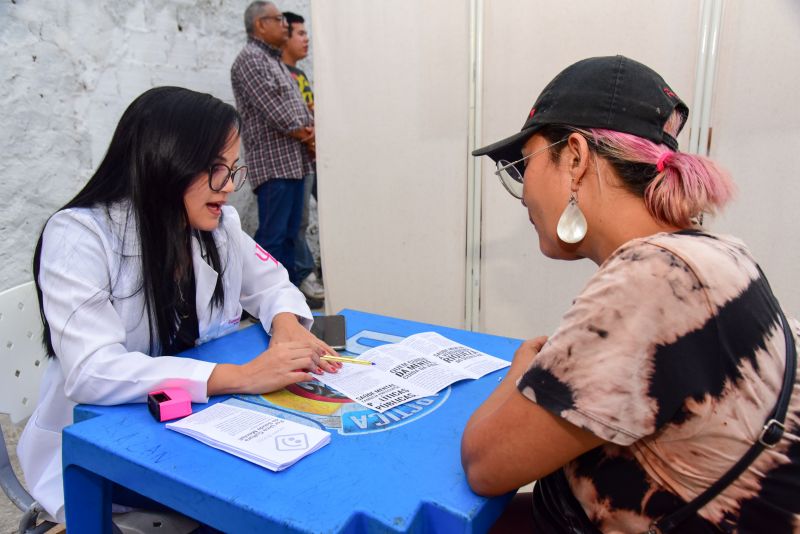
(87, 501)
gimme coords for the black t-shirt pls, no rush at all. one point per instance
(186, 312)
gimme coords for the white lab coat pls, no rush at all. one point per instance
(101, 337)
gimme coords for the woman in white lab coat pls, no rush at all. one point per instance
(147, 261)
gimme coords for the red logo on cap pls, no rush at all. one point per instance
(533, 110)
(670, 93)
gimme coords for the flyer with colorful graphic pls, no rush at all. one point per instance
(323, 406)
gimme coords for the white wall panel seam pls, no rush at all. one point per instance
(708, 84)
(699, 81)
(474, 170)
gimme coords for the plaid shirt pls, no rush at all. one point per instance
(271, 106)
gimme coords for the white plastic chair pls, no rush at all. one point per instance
(22, 363)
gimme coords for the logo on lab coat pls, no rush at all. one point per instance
(263, 255)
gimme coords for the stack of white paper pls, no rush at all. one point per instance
(260, 438)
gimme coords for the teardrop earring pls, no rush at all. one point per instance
(572, 224)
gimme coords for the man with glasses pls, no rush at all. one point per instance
(277, 132)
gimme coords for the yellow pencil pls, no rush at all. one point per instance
(345, 360)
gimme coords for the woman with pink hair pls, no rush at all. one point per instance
(667, 399)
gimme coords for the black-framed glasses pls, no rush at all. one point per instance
(280, 19)
(510, 174)
(219, 174)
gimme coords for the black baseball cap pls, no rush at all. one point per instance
(612, 92)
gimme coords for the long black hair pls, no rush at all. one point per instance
(164, 140)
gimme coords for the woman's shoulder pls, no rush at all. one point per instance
(698, 242)
(689, 241)
(116, 213)
(74, 222)
(675, 269)
(696, 251)
(110, 223)
(73, 215)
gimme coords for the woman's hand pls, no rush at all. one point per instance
(287, 329)
(523, 357)
(280, 365)
(275, 368)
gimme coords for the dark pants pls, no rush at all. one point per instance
(280, 207)
(303, 259)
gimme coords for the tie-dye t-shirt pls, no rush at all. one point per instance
(674, 354)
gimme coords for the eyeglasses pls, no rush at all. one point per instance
(219, 174)
(280, 19)
(510, 175)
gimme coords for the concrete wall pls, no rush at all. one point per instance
(68, 71)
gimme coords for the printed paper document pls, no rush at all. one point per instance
(419, 366)
(260, 438)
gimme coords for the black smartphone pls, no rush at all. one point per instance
(331, 330)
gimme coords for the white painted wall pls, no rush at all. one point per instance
(68, 71)
(391, 112)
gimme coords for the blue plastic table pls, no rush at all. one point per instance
(407, 478)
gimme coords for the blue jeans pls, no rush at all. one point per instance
(280, 208)
(303, 259)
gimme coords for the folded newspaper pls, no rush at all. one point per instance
(419, 366)
(260, 438)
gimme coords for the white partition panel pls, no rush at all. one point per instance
(526, 43)
(756, 135)
(391, 80)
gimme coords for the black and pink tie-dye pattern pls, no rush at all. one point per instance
(674, 354)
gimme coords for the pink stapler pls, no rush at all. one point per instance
(169, 403)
